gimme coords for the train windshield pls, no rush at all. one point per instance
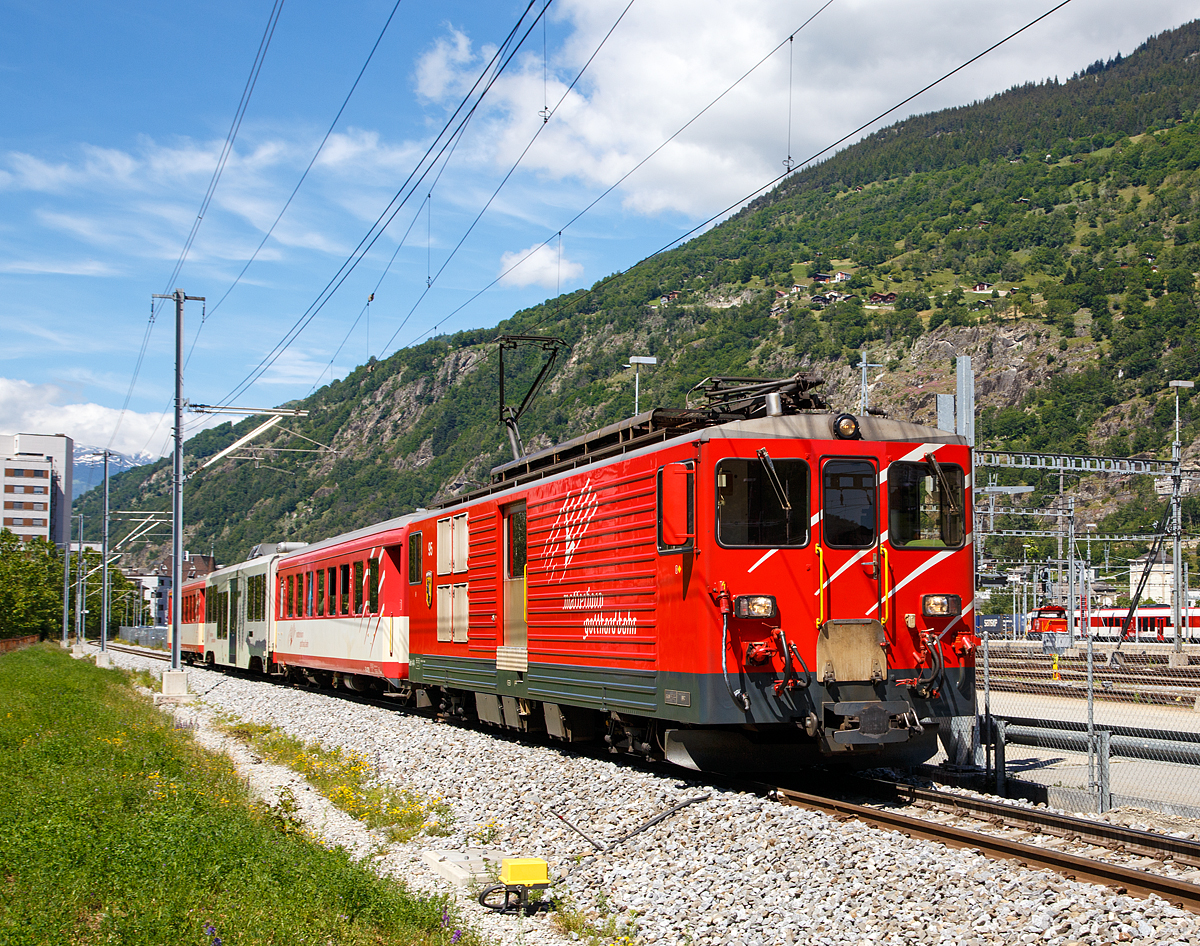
(848, 514)
(752, 504)
(926, 505)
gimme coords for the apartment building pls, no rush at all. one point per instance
(36, 482)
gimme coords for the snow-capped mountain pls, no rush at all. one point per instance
(89, 466)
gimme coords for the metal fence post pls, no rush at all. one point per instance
(999, 735)
(1105, 786)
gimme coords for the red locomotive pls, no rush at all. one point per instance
(751, 584)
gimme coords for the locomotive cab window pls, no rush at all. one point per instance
(415, 562)
(926, 505)
(677, 507)
(848, 503)
(761, 505)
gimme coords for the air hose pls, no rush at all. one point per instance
(738, 696)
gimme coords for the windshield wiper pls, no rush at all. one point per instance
(776, 483)
(951, 494)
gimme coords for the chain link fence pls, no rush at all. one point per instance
(145, 636)
(1086, 724)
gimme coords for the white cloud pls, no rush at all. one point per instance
(538, 266)
(668, 60)
(89, 267)
(39, 408)
(440, 71)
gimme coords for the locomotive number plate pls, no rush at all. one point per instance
(678, 697)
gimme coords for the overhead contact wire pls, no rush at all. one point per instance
(619, 181)
(239, 113)
(809, 160)
(389, 213)
(546, 116)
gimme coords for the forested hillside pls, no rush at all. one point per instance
(1052, 232)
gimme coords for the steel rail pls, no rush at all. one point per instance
(140, 651)
(1040, 821)
(1179, 893)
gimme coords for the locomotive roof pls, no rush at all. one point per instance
(664, 424)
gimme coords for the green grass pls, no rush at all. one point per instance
(116, 828)
(349, 781)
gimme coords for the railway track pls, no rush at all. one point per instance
(996, 814)
(1177, 892)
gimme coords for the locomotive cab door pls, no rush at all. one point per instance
(848, 646)
(515, 578)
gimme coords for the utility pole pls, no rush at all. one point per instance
(1177, 589)
(103, 660)
(66, 627)
(80, 564)
(175, 680)
(1071, 626)
(864, 397)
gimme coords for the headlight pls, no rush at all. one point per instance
(755, 607)
(845, 426)
(941, 606)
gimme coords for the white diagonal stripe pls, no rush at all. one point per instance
(940, 557)
(761, 560)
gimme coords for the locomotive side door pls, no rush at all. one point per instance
(515, 607)
(849, 567)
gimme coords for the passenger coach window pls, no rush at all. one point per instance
(358, 587)
(752, 503)
(415, 564)
(926, 506)
(848, 514)
(344, 589)
(373, 585)
(320, 592)
(291, 596)
(333, 590)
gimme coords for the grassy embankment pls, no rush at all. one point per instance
(116, 828)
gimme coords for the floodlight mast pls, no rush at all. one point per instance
(1177, 589)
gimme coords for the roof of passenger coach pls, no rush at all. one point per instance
(377, 533)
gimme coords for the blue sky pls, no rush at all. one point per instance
(112, 116)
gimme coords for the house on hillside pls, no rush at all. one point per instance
(841, 277)
(669, 297)
(882, 298)
(821, 278)
(982, 287)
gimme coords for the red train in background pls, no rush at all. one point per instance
(757, 583)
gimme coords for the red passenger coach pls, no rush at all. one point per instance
(339, 609)
(757, 583)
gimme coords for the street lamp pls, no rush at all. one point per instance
(636, 362)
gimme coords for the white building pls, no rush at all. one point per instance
(1159, 584)
(37, 482)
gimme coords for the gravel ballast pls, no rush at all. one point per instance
(735, 869)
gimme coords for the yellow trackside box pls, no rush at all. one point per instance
(527, 871)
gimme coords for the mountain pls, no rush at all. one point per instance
(89, 467)
(1052, 232)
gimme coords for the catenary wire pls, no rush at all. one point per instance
(546, 116)
(617, 183)
(316, 154)
(490, 74)
(239, 113)
(778, 178)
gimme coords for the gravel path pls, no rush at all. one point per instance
(736, 869)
